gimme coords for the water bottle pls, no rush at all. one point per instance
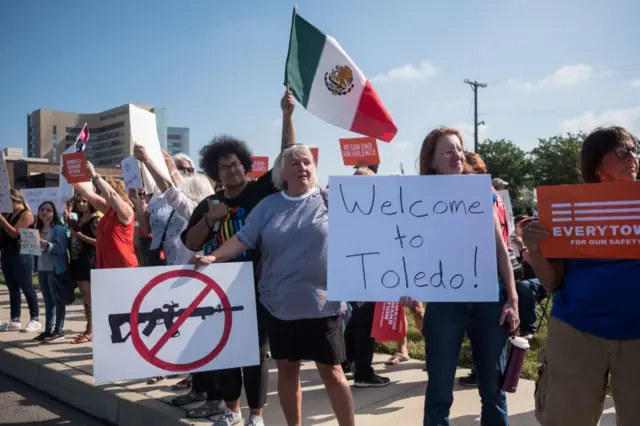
(216, 226)
(519, 348)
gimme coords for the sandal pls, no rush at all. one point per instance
(154, 380)
(208, 409)
(397, 358)
(83, 338)
(183, 384)
(188, 398)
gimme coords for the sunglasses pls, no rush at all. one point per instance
(185, 169)
(623, 152)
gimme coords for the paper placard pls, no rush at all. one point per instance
(428, 237)
(315, 152)
(5, 195)
(131, 173)
(66, 190)
(30, 242)
(259, 166)
(357, 150)
(36, 196)
(74, 167)
(143, 131)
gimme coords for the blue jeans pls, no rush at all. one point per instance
(17, 270)
(54, 307)
(529, 293)
(445, 325)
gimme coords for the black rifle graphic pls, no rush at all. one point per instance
(159, 316)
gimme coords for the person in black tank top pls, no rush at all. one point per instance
(18, 268)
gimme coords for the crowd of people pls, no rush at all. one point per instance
(280, 223)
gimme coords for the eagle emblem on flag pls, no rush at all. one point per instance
(339, 81)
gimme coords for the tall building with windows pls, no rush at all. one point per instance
(50, 133)
(177, 140)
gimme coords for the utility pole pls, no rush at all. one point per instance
(474, 86)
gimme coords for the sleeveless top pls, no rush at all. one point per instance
(114, 242)
(7, 242)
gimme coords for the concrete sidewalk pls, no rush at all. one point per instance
(64, 371)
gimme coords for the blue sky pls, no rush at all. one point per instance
(217, 67)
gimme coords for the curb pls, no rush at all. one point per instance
(111, 403)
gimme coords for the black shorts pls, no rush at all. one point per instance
(318, 339)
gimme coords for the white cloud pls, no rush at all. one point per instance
(408, 72)
(467, 133)
(401, 145)
(635, 83)
(628, 118)
(565, 76)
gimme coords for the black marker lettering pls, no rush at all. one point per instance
(475, 262)
(459, 285)
(417, 214)
(441, 283)
(401, 200)
(364, 272)
(419, 276)
(475, 205)
(436, 205)
(385, 205)
(355, 203)
(455, 206)
(400, 237)
(397, 279)
(406, 275)
(418, 241)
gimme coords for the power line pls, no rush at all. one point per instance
(474, 86)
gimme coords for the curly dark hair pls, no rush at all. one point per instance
(224, 146)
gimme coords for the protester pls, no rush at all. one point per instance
(594, 328)
(359, 344)
(18, 268)
(290, 229)
(218, 218)
(52, 262)
(83, 257)
(486, 324)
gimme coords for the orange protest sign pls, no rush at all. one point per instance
(74, 167)
(357, 150)
(315, 152)
(259, 166)
(591, 220)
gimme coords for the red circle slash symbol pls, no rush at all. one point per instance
(150, 355)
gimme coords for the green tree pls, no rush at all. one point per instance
(555, 160)
(506, 160)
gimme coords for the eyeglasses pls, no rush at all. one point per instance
(623, 152)
(235, 165)
(185, 169)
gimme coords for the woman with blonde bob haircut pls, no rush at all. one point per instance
(487, 324)
(290, 230)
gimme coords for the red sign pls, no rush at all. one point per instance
(599, 220)
(359, 150)
(150, 355)
(74, 167)
(314, 153)
(388, 322)
(259, 166)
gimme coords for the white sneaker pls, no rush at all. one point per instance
(10, 325)
(32, 326)
(254, 421)
(228, 418)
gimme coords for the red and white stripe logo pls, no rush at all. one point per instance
(597, 211)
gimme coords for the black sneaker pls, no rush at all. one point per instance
(42, 336)
(375, 382)
(470, 381)
(54, 337)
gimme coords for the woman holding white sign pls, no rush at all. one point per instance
(594, 327)
(18, 268)
(290, 228)
(487, 324)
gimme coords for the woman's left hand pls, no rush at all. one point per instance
(91, 170)
(201, 261)
(510, 314)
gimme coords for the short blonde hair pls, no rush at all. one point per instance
(278, 166)
(364, 171)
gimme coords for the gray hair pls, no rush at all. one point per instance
(278, 166)
(196, 187)
(184, 157)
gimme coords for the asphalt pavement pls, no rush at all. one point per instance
(22, 405)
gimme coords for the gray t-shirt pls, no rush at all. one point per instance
(291, 234)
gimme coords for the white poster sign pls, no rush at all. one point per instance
(5, 187)
(36, 196)
(172, 320)
(131, 173)
(428, 237)
(30, 242)
(145, 132)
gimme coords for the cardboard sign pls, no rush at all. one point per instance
(30, 242)
(65, 189)
(131, 173)
(259, 166)
(143, 131)
(75, 167)
(315, 153)
(428, 237)
(599, 221)
(5, 196)
(173, 320)
(388, 322)
(356, 150)
(36, 196)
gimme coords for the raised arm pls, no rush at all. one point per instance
(287, 104)
(140, 211)
(161, 182)
(510, 310)
(111, 197)
(549, 272)
(94, 199)
(25, 221)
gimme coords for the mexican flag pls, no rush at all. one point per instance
(324, 79)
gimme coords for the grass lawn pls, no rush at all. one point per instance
(415, 343)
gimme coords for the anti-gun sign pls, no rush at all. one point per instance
(156, 321)
(428, 237)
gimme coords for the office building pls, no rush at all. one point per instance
(177, 140)
(50, 133)
(161, 125)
